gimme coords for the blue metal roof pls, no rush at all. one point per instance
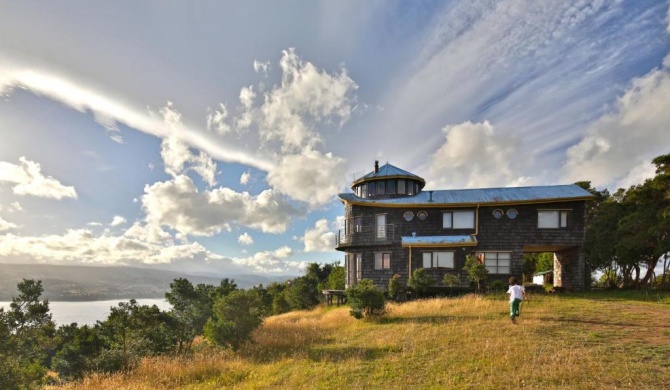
(506, 195)
(439, 241)
(388, 170)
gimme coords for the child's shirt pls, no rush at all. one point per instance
(515, 292)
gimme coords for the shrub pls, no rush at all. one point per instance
(497, 286)
(420, 281)
(397, 289)
(366, 300)
(451, 280)
(235, 317)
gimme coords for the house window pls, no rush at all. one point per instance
(354, 225)
(408, 216)
(381, 187)
(512, 214)
(458, 219)
(497, 213)
(401, 187)
(381, 226)
(552, 219)
(364, 191)
(390, 187)
(422, 215)
(372, 189)
(382, 260)
(438, 259)
(352, 263)
(410, 188)
(498, 262)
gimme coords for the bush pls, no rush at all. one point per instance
(366, 300)
(421, 282)
(397, 289)
(476, 270)
(451, 280)
(497, 286)
(235, 317)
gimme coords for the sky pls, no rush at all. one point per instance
(214, 136)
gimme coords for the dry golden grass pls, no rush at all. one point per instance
(585, 341)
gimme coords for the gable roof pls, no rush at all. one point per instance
(479, 196)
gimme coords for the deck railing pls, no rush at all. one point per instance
(368, 235)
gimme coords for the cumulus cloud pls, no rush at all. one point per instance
(15, 206)
(321, 238)
(305, 97)
(618, 148)
(272, 261)
(244, 178)
(118, 220)
(245, 239)
(473, 155)
(261, 67)
(28, 179)
(4, 225)
(310, 176)
(179, 205)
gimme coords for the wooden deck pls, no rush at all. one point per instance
(339, 294)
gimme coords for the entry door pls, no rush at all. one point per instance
(381, 226)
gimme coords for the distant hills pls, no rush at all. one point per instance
(85, 283)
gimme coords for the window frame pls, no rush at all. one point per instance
(384, 261)
(450, 214)
(562, 218)
(497, 259)
(435, 260)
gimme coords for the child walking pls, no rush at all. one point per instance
(516, 294)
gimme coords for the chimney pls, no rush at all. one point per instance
(376, 166)
(431, 196)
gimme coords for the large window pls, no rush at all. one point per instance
(383, 260)
(401, 187)
(553, 219)
(498, 262)
(464, 219)
(354, 269)
(438, 259)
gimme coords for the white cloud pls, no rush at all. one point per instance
(216, 121)
(106, 111)
(179, 205)
(177, 155)
(151, 233)
(82, 246)
(310, 177)
(15, 206)
(244, 178)
(245, 239)
(29, 180)
(617, 149)
(305, 97)
(4, 225)
(118, 220)
(262, 67)
(473, 155)
(272, 261)
(319, 239)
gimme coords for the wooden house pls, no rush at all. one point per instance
(393, 226)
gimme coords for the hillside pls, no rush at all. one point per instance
(585, 341)
(82, 283)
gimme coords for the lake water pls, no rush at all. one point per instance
(88, 312)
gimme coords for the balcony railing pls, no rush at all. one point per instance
(368, 235)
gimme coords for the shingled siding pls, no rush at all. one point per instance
(504, 235)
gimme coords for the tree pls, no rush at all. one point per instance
(476, 270)
(192, 307)
(26, 337)
(366, 300)
(301, 294)
(397, 289)
(336, 278)
(235, 317)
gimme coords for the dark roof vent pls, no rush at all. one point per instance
(431, 196)
(376, 166)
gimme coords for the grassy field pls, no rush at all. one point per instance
(612, 340)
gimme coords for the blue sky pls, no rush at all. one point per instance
(215, 136)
